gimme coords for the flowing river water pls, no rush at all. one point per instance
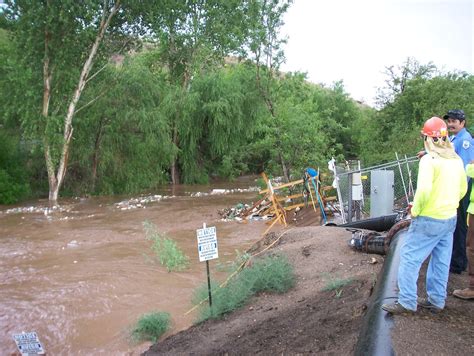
(81, 275)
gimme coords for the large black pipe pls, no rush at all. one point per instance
(381, 223)
(374, 338)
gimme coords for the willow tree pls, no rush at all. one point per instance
(225, 112)
(58, 44)
(194, 35)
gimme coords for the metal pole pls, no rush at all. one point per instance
(410, 182)
(339, 195)
(209, 284)
(363, 200)
(401, 176)
(208, 277)
(349, 208)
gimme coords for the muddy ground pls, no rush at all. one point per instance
(311, 320)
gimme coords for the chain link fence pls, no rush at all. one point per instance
(365, 192)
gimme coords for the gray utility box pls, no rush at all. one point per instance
(381, 192)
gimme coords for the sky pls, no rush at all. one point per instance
(355, 40)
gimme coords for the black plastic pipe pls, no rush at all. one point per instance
(381, 223)
(374, 338)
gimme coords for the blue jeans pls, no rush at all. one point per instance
(459, 256)
(426, 236)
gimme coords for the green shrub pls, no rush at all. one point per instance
(150, 327)
(274, 274)
(165, 249)
(14, 170)
(11, 190)
(271, 274)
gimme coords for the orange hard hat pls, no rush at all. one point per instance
(435, 127)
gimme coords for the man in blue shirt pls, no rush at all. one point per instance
(463, 145)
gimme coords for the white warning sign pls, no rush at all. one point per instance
(207, 243)
(28, 343)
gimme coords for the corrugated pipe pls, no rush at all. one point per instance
(374, 338)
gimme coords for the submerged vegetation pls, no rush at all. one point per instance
(165, 249)
(269, 274)
(150, 327)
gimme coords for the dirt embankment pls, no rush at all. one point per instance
(308, 319)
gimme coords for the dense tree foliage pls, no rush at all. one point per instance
(194, 36)
(426, 92)
(57, 44)
(173, 96)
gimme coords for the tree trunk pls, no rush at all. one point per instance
(284, 167)
(175, 179)
(47, 75)
(95, 154)
(265, 92)
(56, 182)
(174, 165)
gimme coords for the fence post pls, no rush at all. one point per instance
(349, 207)
(401, 177)
(338, 190)
(411, 191)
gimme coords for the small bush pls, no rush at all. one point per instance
(165, 249)
(150, 327)
(274, 274)
(271, 274)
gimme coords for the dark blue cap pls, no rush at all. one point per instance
(455, 114)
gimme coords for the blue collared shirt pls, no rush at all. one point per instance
(463, 145)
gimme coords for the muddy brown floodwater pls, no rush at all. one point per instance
(80, 277)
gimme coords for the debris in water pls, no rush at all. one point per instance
(73, 244)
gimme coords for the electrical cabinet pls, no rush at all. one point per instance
(381, 192)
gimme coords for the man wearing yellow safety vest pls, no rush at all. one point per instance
(441, 185)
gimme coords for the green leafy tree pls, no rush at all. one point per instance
(193, 36)
(396, 127)
(265, 49)
(58, 43)
(14, 180)
(222, 120)
(397, 78)
(313, 124)
(122, 140)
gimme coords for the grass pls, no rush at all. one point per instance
(271, 274)
(337, 284)
(150, 327)
(166, 250)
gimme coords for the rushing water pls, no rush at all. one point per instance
(80, 277)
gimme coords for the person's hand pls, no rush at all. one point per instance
(420, 154)
(408, 209)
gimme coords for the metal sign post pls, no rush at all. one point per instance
(209, 284)
(207, 249)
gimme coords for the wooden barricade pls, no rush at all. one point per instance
(292, 197)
